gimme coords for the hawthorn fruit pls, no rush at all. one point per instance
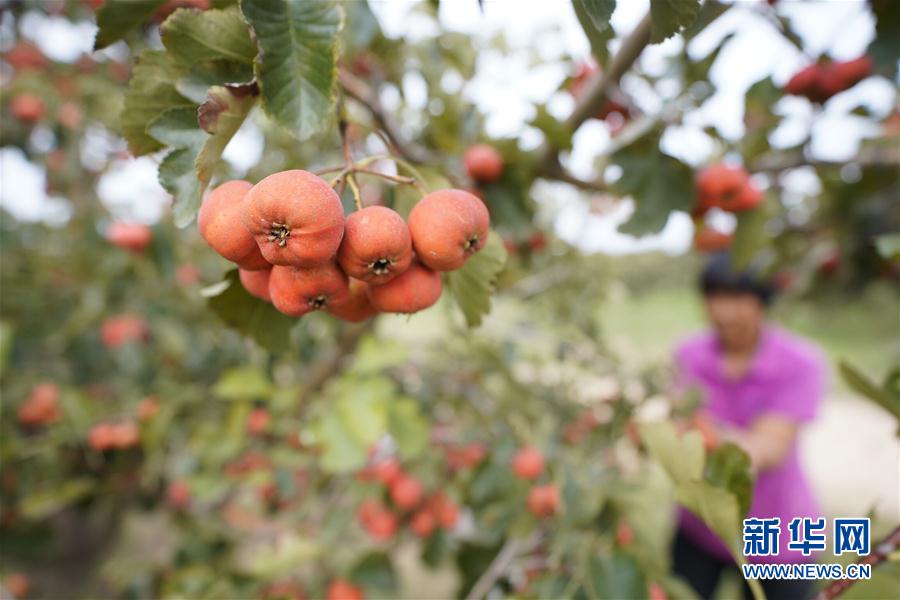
(113, 436)
(256, 283)
(220, 223)
(41, 407)
(528, 463)
(707, 239)
(123, 329)
(422, 523)
(178, 494)
(377, 520)
(483, 163)
(624, 534)
(28, 108)
(258, 421)
(820, 81)
(356, 307)
(147, 408)
(445, 511)
(297, 291)
(376, 246)
(447, 227)
(24, 56)
(284, 590)
(18, 584)
(726, 187)
(134, 237)
(69, 115)
(416, 289)
(543, 500)
(296, 218)
(406, 492)
(343, 590)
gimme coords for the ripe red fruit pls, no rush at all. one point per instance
(129, 236)
(537, 241)
(356, 307)
(624, 534)
(122, 329)
(297, 291)
(654, 590)
(377, 246)
(422, 523)
(41, 407)
(220, 224)
(543, 500)
(25, 55)
(447, 227)
(256, 283)
(387, 471)
(147, 408)
(377, 520)
(831, 264)
(724, 186)
(258, 421)
(178, 494)
(416, 289)
(343, 590)
(100, 437)
(69, 115)
(804, 81)
(445, 511)
(296, 218)
(465, 457)
(284, 590)
(406, 491)
(483, 163)
(528, 463)
(28, 108)
(187, 275)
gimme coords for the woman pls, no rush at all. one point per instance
(760, 384)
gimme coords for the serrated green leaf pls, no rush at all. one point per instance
(194, 36)
(716, 507)
(251, 316)
(178, 128)
(658, 183)
(296, 65)
(195, 83)
(671, 16)
(221, 115)
(151, 91)
(178, 176)
(408, 427)
(243, 383)
(728, 467)
(472, 285)
(599, 12)
(681, 456)
(116, 18)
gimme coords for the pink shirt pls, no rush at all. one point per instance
(786, 377)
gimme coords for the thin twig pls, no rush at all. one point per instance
(500, 564)
(880, 553)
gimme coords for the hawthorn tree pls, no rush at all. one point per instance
(237, 449)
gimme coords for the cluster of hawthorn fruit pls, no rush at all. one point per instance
(725, 187)
(295, 248)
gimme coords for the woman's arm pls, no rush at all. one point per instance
(768, 441)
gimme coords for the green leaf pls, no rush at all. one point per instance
(593, 15)
(296, 65)
(221, 115)
(195, 83)
(178, 176)
(717, 508)
(681, 456)
(473, 284)
(177, 128)
(553, 129)
(117, 17)
(243, 383)
(599, 12)
(860, 383)
(375, 571)
(341, 452)
(6, 342)
(728, 467)
(151, 91)
(658, 183)
(617, 576)
(671, 16)
(195, 36)
(408, 427)
(749, 237)
(251, 316)
(40, 504)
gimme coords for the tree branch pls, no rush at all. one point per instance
(499, 565)
(887, 157)
(362, 93)
(880, 553)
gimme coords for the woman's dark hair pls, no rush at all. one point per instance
(719, 276)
